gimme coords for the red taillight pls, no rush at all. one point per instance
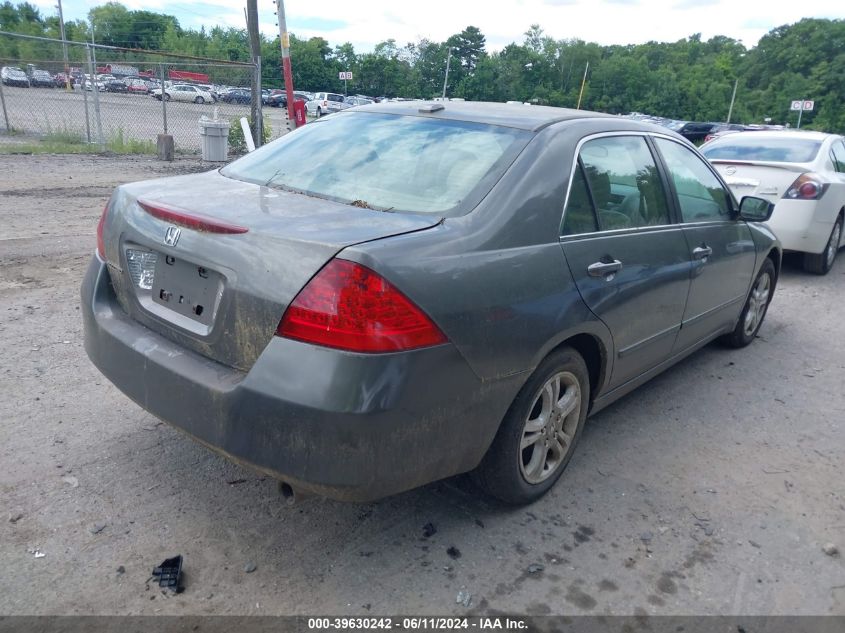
(189, 219)
(325, 104)
(348, 306)
(101, 245)
(806, 187)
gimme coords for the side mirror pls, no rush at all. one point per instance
(752, 209)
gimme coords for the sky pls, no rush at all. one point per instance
(367, 22)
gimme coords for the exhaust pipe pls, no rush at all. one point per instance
(289, 495)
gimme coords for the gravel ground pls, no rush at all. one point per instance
(711, 490)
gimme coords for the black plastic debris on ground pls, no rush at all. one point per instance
(169, 574)
(429, 530)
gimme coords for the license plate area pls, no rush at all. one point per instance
(187, 289)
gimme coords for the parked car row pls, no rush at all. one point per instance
(317, 104)
(509, 292)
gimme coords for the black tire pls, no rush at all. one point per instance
(166, 97)
(821, 263)
(319, 112)
(501, 473)
(199, 100)
(742, 335)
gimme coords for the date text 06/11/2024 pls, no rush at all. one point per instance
(417, 623)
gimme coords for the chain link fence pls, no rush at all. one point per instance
(112, 97)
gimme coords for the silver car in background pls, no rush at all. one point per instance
(438, 288)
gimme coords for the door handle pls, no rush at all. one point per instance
(702, 252)
(604, 269)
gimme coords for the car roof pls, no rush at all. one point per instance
(531, 118)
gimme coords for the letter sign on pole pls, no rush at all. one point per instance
(808, 106)
(795, 105)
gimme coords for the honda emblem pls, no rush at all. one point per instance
(171, 236)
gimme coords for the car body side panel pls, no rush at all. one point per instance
(643, 303)
(766, 245)
(720, 282)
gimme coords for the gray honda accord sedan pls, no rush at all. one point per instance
(403, 292)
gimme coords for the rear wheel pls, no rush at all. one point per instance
(166, 97)
(538, 435)
(319, 112)
(199, 100)
(821, 263)
(756, 306)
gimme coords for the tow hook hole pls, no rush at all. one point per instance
(198, 310)
(169, 260)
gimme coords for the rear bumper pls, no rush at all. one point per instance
(803, 225)
(355, 427)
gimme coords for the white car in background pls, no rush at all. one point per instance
(803, 173)
(324, 103)
(14, 76)
(184, 92)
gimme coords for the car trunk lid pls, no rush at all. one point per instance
(212, 263)
(756, 178)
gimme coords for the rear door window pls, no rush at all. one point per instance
(624, 183)
(579, 216)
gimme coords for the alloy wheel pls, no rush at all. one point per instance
(549, 431)
(758, 301)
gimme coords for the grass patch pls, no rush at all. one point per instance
(119, 144)
(70, 142)
(47, 147)
(63, 136)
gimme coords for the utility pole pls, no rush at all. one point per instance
(255, 48)
(92, 71)
(446, 79)
(95, 89)
(64, 45)
(284, 42)
(733, 97)
(583, 83)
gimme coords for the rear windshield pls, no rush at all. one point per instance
(387, 162)
(777, 150)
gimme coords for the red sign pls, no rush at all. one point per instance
(183, 75)
(299, 112)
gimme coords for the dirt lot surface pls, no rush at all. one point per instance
(712, 489)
